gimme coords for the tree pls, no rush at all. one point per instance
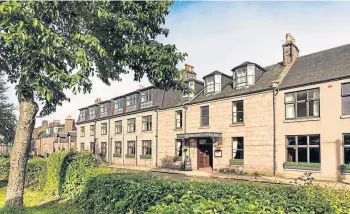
(48, 47)
(7, 116)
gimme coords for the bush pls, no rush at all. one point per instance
(137, 193)
(36, 172)
(4, 155)
(77, 173)
(4, 168)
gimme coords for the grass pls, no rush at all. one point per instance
(37, 202)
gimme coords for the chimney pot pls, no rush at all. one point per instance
(98, 100)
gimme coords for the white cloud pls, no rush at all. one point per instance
(221, 35)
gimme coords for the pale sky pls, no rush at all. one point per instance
(222, 35)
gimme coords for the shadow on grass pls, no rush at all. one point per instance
(53, 207)
(3, 183)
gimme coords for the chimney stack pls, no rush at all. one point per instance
(189, 72)
(45, 124)
(98, 100)
(290, 50)
(68, 124)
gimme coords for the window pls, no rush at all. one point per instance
(303, 148)
(82, 114)
(210, 84)
(241, 77)
(103, 108)
(178, 119)
(189, 94)
(213, 84)
(82, 147)
(118, 147)
(146, 96)
(147, 123)
(118, 104)
(346, 144)
(302, 104)
(92, 147)
(103, 128)
(82, 131)
(237, 112)
(238, 148)
(147, 147)
(131, 100)
(131, 125)
(92, 130)
(178, 148)
(345, 96)
(118, 127)
(244, 76)
(131, 147)
(103, 148)
(92, 111)
(205, 116)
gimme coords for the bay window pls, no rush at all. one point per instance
(131, 100)
(146, 96)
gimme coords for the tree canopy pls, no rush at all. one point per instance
(47, 47)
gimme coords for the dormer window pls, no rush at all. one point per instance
(213, 84)
(118, 104)
(92, 111)
(82, 114)
(189, 94)
(131, 100)
(146, 96)
(244, 76)
(103, 108)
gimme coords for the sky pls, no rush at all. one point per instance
(222, 35)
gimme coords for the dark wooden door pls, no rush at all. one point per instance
(203, 157)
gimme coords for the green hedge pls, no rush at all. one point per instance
(4, 168)
(36, 172)
(302, 164)
(137, 193)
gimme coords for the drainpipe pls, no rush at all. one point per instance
(157, 111)
(94, 139)
(136, 150)
(109, 159)
(274, 93)
(123, 143)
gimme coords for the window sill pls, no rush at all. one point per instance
(345, 117)
(130, 132)
(147, 131)
(236, 124)
(204, 127)
(178, 129)
(302, 120)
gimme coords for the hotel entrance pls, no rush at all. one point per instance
(205, 154)
(200, 149)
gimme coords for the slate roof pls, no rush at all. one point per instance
(264, 83)
(216, 72)
(330, 64)
(247, 63)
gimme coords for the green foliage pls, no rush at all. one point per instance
(36, 172)
(137, 193)
(117, 155)
(236, 161)
(4, 168)
(145, 156)
(344, 167)
(47, 47)
(130, 155)
(77, 172)
(7, 115)
(302, 164)
(4, 155)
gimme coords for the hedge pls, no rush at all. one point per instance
(138, 193)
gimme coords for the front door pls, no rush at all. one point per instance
(204, 156)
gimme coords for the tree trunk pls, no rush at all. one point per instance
(20, 150)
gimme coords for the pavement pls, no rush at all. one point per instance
(225, 177)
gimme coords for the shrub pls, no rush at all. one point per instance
(236, 161)
(137, 193)
(77, 171)
(4, 154)
(36, 172)
(4, 168)
(117, 155)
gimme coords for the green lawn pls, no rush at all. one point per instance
(37, 203)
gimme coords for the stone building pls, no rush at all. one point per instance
(272, 120)
(45, 136)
